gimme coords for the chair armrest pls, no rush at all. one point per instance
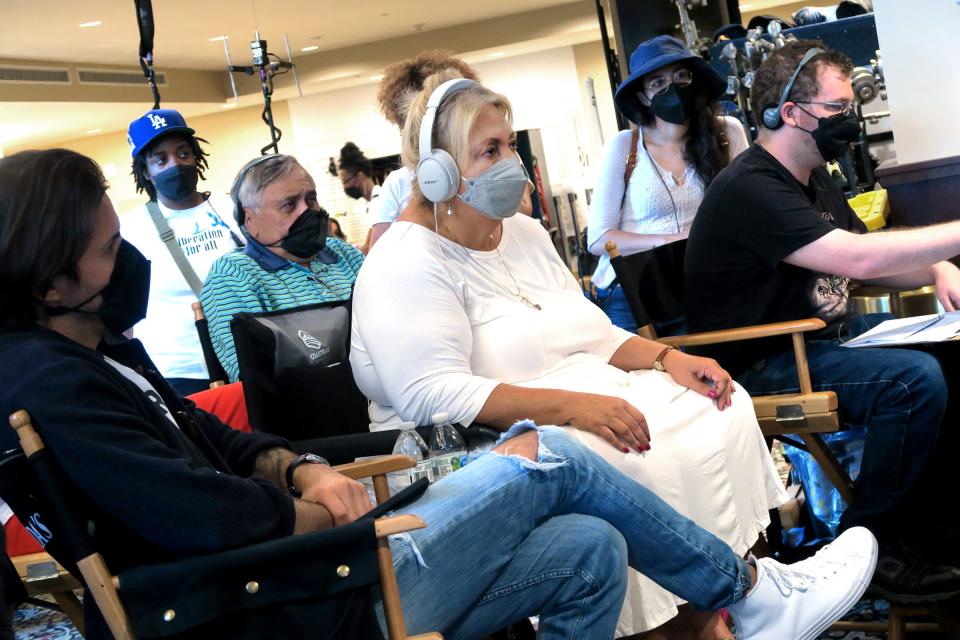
(398, 524)
(745, 333)
(376, 466)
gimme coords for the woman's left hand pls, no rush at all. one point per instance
(703, 375)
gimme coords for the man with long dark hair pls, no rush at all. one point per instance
(182, 231)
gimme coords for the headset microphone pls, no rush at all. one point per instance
(771, 115)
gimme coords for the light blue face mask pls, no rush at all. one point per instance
(497, 192)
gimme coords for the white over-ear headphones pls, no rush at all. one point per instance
(437, 171)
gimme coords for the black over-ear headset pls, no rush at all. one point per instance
(771, 115)
(238, 183)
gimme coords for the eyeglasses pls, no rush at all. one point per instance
(347, 181)
(845, 108)
(659, 84)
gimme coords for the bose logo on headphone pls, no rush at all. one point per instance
(771, 115)
(437, 173)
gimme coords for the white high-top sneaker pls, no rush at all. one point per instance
(799, 601)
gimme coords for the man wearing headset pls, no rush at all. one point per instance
(288, 260)
(774, 240)
(182, 231)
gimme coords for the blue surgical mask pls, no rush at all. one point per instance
(497, 192)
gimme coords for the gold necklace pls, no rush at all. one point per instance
(518, 294)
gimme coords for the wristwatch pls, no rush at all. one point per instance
(305, 458)
(658, 363)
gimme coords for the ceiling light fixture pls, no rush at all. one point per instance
(498, 54)
(377, 77)
(86, 25)
(312, 47)
(218, 38)
(92, 131)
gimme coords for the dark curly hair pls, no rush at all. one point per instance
(705, 147)
(139, 171)
(774, 74)
(403, 80)
(49, 203)
(352, 160)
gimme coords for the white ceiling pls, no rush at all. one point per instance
(48, 29)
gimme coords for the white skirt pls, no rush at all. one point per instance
(710, 465)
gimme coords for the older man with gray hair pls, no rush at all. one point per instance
(288, 261)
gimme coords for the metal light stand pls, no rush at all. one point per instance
(267, 65)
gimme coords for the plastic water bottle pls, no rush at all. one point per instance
(409, 443)
(447, 449)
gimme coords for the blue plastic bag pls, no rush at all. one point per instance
(822, 498)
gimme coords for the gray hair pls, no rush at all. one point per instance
(254, 177)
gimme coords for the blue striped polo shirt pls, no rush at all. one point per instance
(254, 279)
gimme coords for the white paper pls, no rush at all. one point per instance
(915, 330)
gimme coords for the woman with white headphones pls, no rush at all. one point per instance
(496, 329)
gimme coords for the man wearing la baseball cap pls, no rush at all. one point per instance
(182, 231)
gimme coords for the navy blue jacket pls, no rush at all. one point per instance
(155, 492)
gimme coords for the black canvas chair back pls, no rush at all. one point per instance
(317, 586)
(57, 525)
(218, 377)
(296, 374)
(652, 281)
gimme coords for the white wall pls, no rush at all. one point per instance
(920, 50)
(543, 88)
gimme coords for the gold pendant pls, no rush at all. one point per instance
(529, 303)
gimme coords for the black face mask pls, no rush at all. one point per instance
(178, 182)
(353, 192)
(834, 135)
(307, 235)
(125, 297)
(673, 105)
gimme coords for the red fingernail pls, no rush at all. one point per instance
(711, 394)
(648, 448)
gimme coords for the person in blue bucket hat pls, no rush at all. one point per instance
(652, 178)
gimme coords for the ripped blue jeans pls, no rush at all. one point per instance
(508, 538)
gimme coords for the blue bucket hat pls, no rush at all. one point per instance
(153, 124)
(656, 53)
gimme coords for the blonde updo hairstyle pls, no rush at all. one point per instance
(454, 120)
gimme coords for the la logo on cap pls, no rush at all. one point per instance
(157, 121)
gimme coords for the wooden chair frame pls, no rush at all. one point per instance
(103, 586)
(55, 581)
(809, 414)
(806, 414)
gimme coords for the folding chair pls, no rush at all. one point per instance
(656, 278)
(280, 588)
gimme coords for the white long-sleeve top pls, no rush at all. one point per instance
(438, 331)
(647, 208)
